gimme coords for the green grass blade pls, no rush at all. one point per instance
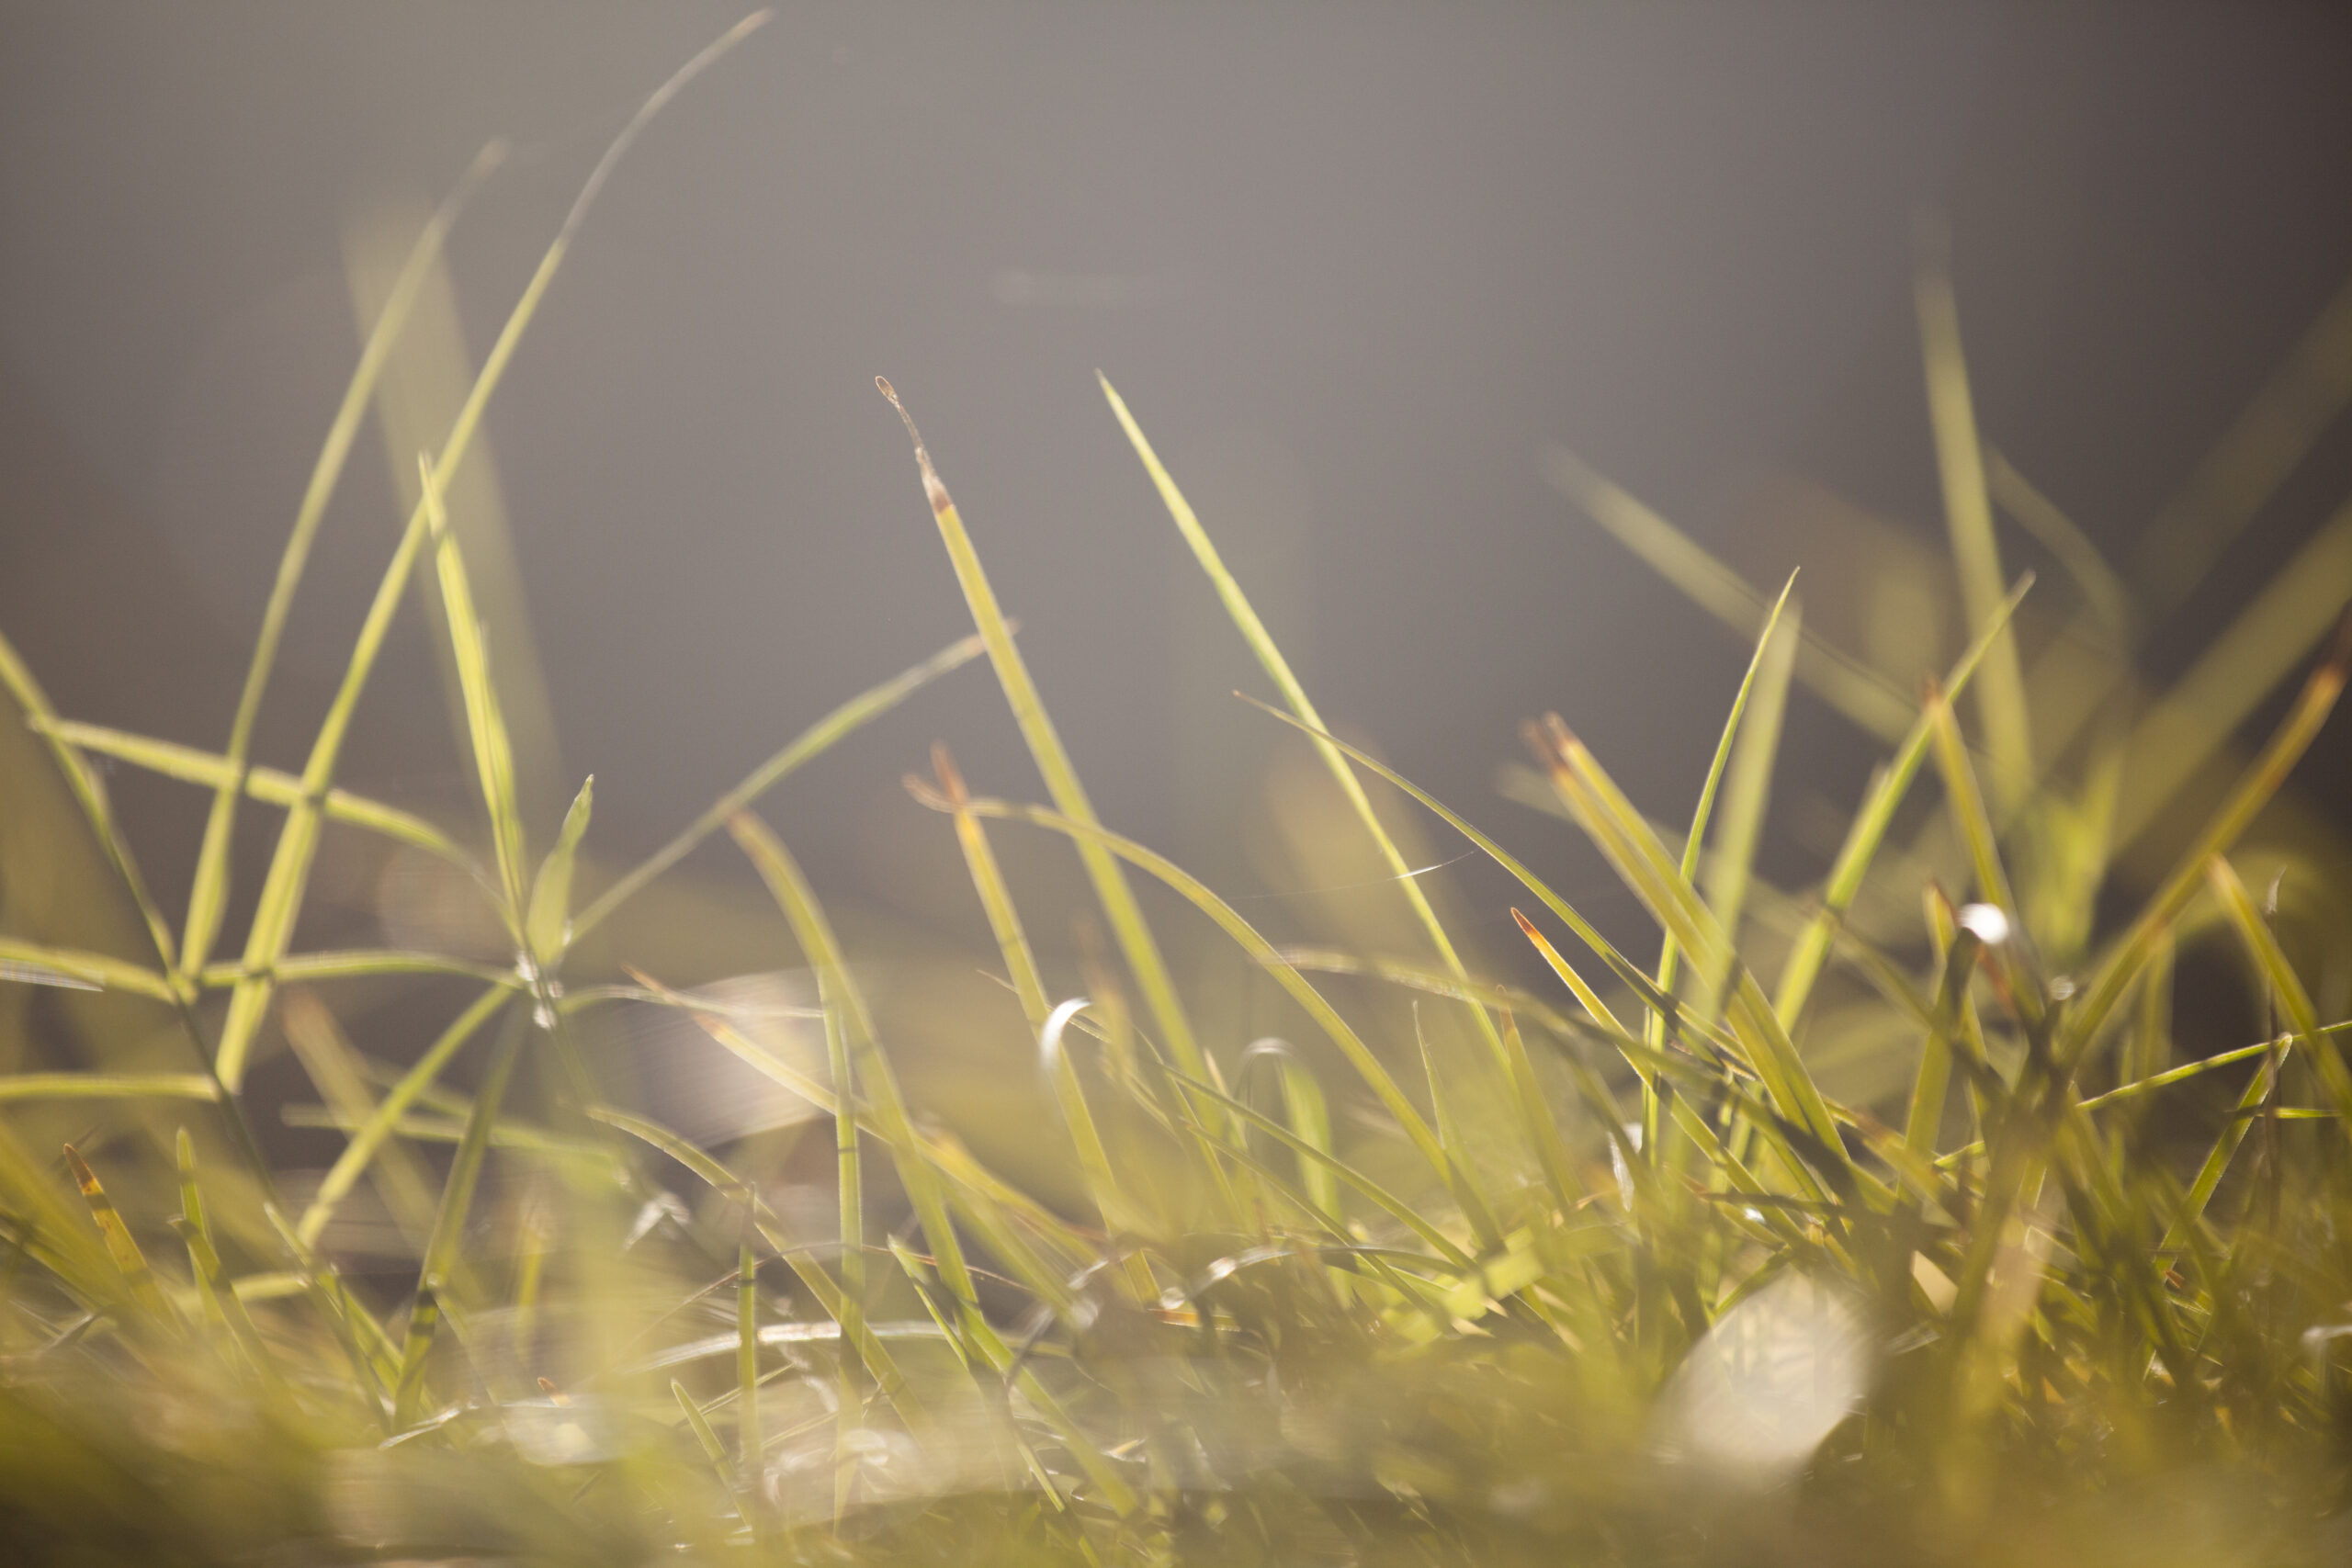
(493, 748)
(995, 898)
(812, 742)
(547, 925)
(107, 1086)
(1724, 875)
(443, 1248)
(370, 1136)
(1119, 906)
(1359, 1056)
(2103, 590)
(2261, 647)
(1967, 802)
(2253, 791)
(289, 866)
(1868, 699)
(269, 785)
(138, 1279)
(2294, 998)
(1968, 513)
(208, 894)
(31, 963)
(1869, 829)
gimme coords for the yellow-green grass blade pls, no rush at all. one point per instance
(290, 867)
(1309, 1116)
(82, 781)
(1120, 1216)
(1119, 906)
(2103, 590)
(1868, 699)
(1626, 841)
(271, 786)
(374, 1360)
(712, 1449)
(1869, 829)
(820, 1286)
(747, 1359)
(2252, 459)
(208, 894)
(1933, 1081)
(995, 898)
(1724, 875)
(2216, 1164)
(365, 962)
(138, 1279)
(1968, 514)
(1967, 802)
(1504, 999)
(856, 1057)
(1277, 668)
(441, 1248)
(814, 741)
(2294, 998)
(370, 1136)
(1585, 932)
(107, 1086)
(32, 963)
(1359, 1056)
(2254, 789)
(493, 748)
(547, 924)
(2236, 672)
(334, 1070)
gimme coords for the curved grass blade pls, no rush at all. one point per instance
(1118, 900)
(271, 787)
(30, 962)
(208, 895)
(547, 924)
(817, 738)
(369, 1137)
(1869, 829)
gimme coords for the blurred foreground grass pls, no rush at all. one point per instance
(1889, 1219)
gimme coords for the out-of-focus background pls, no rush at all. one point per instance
(1352, 265)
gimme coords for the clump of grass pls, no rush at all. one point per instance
(1617, 1272)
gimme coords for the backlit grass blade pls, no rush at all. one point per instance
(208, 895)
(2245, 468)
(1270, 659)
(289, 866)
(271, 786)
(107, 1086)
(1868, 699)
(82, 781)
(333, 1066)
(547, 924)
(1869, 829)
(811, 743)
(493, 748)
(1625, 839)
(2253, 791)
(2293, 998)
(857, 1057)
(1585, 932)
(1309, 1117)
(1119, 907)
(2109, 600)
(441, 1248)
(712, 1447)
(362, 964)
(1724, 875)
(1967, 802)
(995, 898)
(1359, 1056)
(2262, 645)
(138, 1279)
(1968, 514)
(1933, 1080)
(31, 963)
(369, 1137)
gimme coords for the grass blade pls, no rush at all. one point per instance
(208, 895)
(1119, 907)
(814, 741)
(1968, 513)
(107, 1086)
(547, 925)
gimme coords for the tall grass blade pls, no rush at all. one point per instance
(1968, 513)
(208, 895)
(1119, 906)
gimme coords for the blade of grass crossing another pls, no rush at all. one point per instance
(1118, 900)
(2293, 996)
(1868, 831)
(208, 895)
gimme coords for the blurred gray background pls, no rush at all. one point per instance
(1352, 265)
